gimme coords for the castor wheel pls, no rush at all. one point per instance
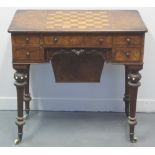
(17, 141)
(133, 139)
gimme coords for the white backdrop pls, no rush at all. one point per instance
(104, 96)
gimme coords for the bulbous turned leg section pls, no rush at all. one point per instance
(20, 82)
(133, 82)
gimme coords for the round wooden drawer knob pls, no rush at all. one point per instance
(128, 40)
(27, 54)
(27, 39)
(127, 54)
(55, 39)
(101, 41)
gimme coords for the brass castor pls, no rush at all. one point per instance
(133, 139)
(19, 139)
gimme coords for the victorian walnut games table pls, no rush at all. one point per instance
(77, 43)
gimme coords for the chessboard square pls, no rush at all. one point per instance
(49, 22)
(82, 27)
(73, 15)
(104, 22)
(89, 20)
(49, 27)
(66, 26)
(82, 22)
(57, 24)
(100, 22)
(64, 20)
(90, 24)
(97, 18)
(74, 24)
(66, 17)
(99, 26)
(74, 21)
(81, 18)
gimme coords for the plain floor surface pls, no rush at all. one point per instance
(78, 129)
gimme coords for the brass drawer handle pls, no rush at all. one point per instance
(55, 39)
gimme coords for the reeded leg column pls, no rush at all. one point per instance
(126, 95)
(27, 97)
(20, 81)
(133, 82)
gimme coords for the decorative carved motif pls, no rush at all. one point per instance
(78, 52)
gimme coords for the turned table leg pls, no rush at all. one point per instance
(126, 95)
(20, 82)
(27, 97)
(133, 82)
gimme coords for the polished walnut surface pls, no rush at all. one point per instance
(77, 21)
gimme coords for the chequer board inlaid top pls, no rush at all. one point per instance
(76, 21)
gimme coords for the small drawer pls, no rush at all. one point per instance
(128, 40)
(63, 41)
(127, 55)
(28, 54)
(78, 41)
(98, 41)
(26, 39)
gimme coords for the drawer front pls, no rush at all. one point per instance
(28, 54)
(128, 40)
(127, 55)
(26, 39)
(78, 41)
